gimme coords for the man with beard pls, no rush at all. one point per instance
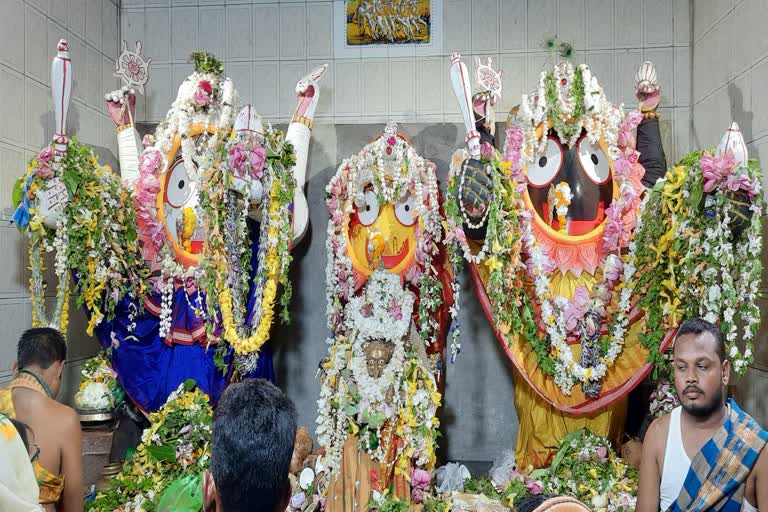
(707, 454)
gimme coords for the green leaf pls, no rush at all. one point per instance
(162, 453)
(18, 191)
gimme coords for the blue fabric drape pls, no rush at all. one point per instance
(149, 370)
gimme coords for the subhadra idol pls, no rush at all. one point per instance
(388, 298)
(576, 278)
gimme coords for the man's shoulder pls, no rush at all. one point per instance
(656, 435)
(64, 415)
(659, 428)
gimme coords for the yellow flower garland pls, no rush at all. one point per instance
(254, 342)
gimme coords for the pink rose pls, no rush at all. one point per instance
(576, 308)
(258, 157)
(602, 454)
(45, 172)
(420, 479)
(716, 168)
(626, 138)
(45, 155)
(631, 155)
(392, 140)
(200, 99)
(534, 486)
(237, 157)
(614, 228)
(417, 496)
(148, 140)
(367, 309)
(622, 166)
(205, 86)
(149, 161)
(734, 183)
(150, 183)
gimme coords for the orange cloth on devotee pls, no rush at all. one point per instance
(51, 484)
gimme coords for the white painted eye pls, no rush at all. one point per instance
(405, 211)
(369, 211)
(543, 171)
(178, 187)
(594, 162)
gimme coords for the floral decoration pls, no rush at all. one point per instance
(176, 445)
(401, 403)
(99, 389)
(698, 263)
(226, 261)
(515, 259)
(94, 239)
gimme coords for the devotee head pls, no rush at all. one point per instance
(43, 351)
(701, 367)
(254, 430)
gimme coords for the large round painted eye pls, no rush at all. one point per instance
(369, 212)
(543, 171)
(594, 162)
(178, 187)
(405, 211)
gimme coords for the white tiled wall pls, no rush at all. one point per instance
(730, 33)
(29, 32)
(279, 41)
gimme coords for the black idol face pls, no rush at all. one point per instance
(587, 170)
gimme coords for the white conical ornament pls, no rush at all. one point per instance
(248, 121)
(734, 141)
(645, 79)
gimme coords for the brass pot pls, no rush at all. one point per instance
(107, 474)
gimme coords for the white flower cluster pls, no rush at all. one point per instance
(95, 397)
(600, 118)
(382, 290)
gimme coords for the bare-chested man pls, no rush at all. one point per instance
(31, 398)
(707, 454)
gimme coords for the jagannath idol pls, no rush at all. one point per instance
(178, 264)
(583, 272)
(388, 298)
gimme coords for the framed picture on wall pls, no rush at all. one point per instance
(391, 22)
(366, 28)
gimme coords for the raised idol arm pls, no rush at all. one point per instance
(649, 145)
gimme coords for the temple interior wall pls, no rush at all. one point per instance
(708, 54)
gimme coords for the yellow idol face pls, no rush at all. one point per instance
(382, 231)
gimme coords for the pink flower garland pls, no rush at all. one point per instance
(144, 197)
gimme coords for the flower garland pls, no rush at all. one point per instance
(205, 97)
(226, 257)
(94, 237)
(176, 445)
(354, 403)
(699, 263)
(511, 251)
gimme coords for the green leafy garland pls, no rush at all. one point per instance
(695, 265)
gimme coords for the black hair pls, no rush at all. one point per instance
(41, 346)
(254, 430)
(22, 429)
(701, 326)
(532, 502)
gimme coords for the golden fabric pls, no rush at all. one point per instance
(351, 489)
(545, 413)
(51, 484)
